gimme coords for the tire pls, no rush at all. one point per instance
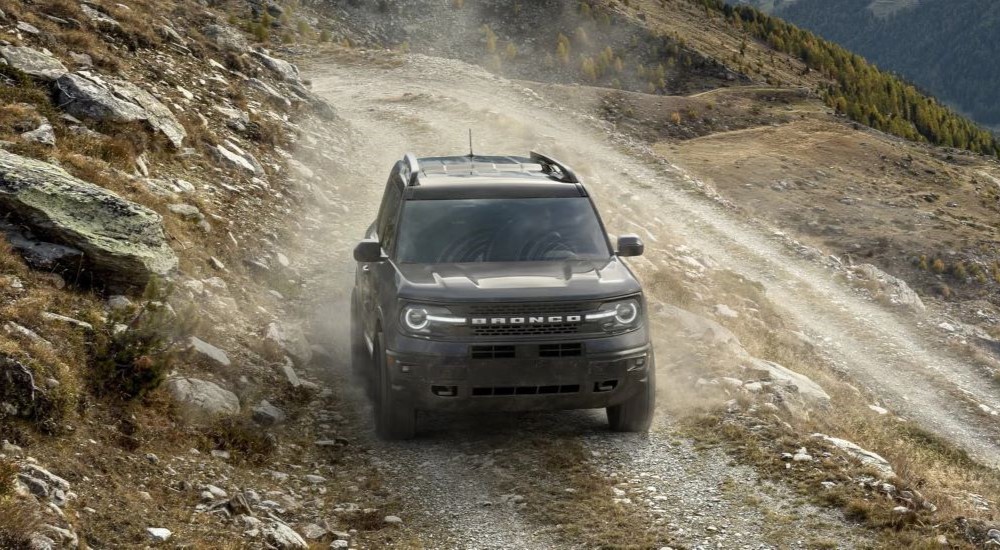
(636, 414)
(393, 420)
(360, 358)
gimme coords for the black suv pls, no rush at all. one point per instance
(488, 283)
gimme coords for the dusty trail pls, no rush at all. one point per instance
(426, 105)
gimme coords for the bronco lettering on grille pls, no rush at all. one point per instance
(527, 320)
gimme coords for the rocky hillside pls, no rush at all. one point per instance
(150, 179)
(914, 38)
(177, 208)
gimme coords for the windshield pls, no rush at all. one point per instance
(500, 230)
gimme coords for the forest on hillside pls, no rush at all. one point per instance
(859, 89)
(947, 47)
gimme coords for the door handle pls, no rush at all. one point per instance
(366, 268)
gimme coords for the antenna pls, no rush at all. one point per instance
(471, 154)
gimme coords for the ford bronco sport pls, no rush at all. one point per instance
(488, 283)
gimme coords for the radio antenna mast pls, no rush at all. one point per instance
(471, 154)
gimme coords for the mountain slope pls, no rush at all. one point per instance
(919, 40)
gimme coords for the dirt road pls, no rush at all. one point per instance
(457, 481)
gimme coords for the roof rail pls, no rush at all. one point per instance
(550, 165)
(413, 167)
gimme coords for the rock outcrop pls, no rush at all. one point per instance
(290, 339)
(896, 290)
(803, 385)
(282, 68)
(123, 243)
(86, 95)
(19, 395)
(866, 457)
(203, 400)
(701, 329)
(33, 62)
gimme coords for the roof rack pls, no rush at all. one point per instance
(551, 165)
(413, 166)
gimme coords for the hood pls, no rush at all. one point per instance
(516, 281)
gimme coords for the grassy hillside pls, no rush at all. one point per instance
(919, 42)
(861, 90)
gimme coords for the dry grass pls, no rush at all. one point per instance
(17, 524)
(587, 514)
(943, 474)
(241, 436)
(7, 472)
(267, 131)
(17, 118)
(198, 135)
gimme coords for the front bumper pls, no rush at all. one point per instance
(519, 375)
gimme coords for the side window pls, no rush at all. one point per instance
(388, 213)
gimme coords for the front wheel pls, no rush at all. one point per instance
(393, 420)
(636, 414)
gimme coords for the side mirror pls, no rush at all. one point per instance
(630, 245)
(368, 251)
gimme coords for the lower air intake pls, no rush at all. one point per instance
(499, 391)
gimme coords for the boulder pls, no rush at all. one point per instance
(291, 339)
(283, 537)
(187, 211)
(282, 68)
(226, 37)
(19, 395)
(288, 371)
(209, 351)
(41, 255)
(804, 386)
(706, 331)
(273, 95)
(866, 457)
(158, 534)
(86, 95)
(201, 399)
(123, 243)
(37, 472)
(99, 18)
(258, 168)
(896, 290)
(24, 26)
(33, 62)
(234, 159)
(267, 414)
(44, 135)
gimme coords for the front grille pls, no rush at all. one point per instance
(497, 391)
(560, 350)
(525, 330)
(493, 352)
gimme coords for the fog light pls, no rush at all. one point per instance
(638, 363)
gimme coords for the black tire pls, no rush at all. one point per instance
(393, 420)
(636, 414)
(360, 358)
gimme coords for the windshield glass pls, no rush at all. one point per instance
(500, 230)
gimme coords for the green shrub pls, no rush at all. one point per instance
(134, 351)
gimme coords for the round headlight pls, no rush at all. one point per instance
(626, 313)
(416, 318)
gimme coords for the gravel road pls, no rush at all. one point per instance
(456, 480)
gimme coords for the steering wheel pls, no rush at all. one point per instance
(551, 246)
